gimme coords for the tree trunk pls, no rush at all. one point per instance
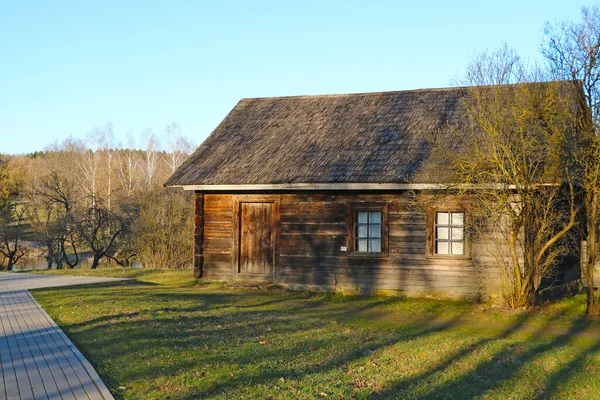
(96, 260)
(50, 258)
(593, 306)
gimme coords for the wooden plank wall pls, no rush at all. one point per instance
(312, 231)
(218, 237)
(313, 228)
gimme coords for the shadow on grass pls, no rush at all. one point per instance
(504, 366)
(221, 342)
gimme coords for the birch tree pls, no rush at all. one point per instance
(89, 162)
(178, 147)
(107, 142)
(126, 157)
(150, 157)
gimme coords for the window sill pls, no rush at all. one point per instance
(448, 257)
(356, 254)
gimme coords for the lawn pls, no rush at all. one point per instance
(169, 337)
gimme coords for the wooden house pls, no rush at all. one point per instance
(313, 192)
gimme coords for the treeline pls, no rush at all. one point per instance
(96, 200)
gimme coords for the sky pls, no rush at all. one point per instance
(68, 67)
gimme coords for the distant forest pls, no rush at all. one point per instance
(88, 201)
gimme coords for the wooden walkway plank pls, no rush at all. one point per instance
(37, 359)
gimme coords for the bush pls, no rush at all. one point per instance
(162, 228)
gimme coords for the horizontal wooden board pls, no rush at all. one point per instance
(216, 257)
(218, 245)
(218, 267)
(383, 273)
(218, 198)
(389, 262)
(302, 228)
(217, 234)
(323, 218)
(307, 208)
(397, 282)
(339, 197)
(218, 216)
(217, 207)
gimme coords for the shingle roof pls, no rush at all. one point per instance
(352, 138)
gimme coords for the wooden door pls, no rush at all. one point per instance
(256, 239)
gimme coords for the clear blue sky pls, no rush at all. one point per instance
(66, 67)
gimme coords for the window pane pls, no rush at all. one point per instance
(375, 231)
(458, 219)
(441, 248)
(362, 217)
(442, 233)
(361, 245)
(457, 248)
(375, 246)
(457, 233)
(375, 217)
(362, 231)
(442, 218)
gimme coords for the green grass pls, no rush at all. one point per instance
(169, 337)
(153, 276)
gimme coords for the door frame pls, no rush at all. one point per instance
(275, 200)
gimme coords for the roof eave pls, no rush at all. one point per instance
(344, 186)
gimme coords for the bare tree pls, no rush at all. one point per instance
(127, 166)
(178, 146)
(498, 66)
(41, 217)
(99, 229)
(108, 149)
(12, 218)
(88, 162)
(149, 162)
(573, 52)
(58, 196)
(514, 146)
(54, 200)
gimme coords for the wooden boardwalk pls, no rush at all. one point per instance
(37, 360)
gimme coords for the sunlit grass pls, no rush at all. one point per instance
(171, 338)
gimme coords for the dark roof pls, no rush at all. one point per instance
(350, 138)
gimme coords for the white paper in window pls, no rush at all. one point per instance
(442, 232)
(442, 218)
(458, 219)
(457, 233)
(442, 248)
(457, 248)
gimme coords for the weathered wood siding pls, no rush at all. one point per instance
(218, 237)
(312, 230)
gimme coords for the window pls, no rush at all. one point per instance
(367, 231)
(449, 233)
